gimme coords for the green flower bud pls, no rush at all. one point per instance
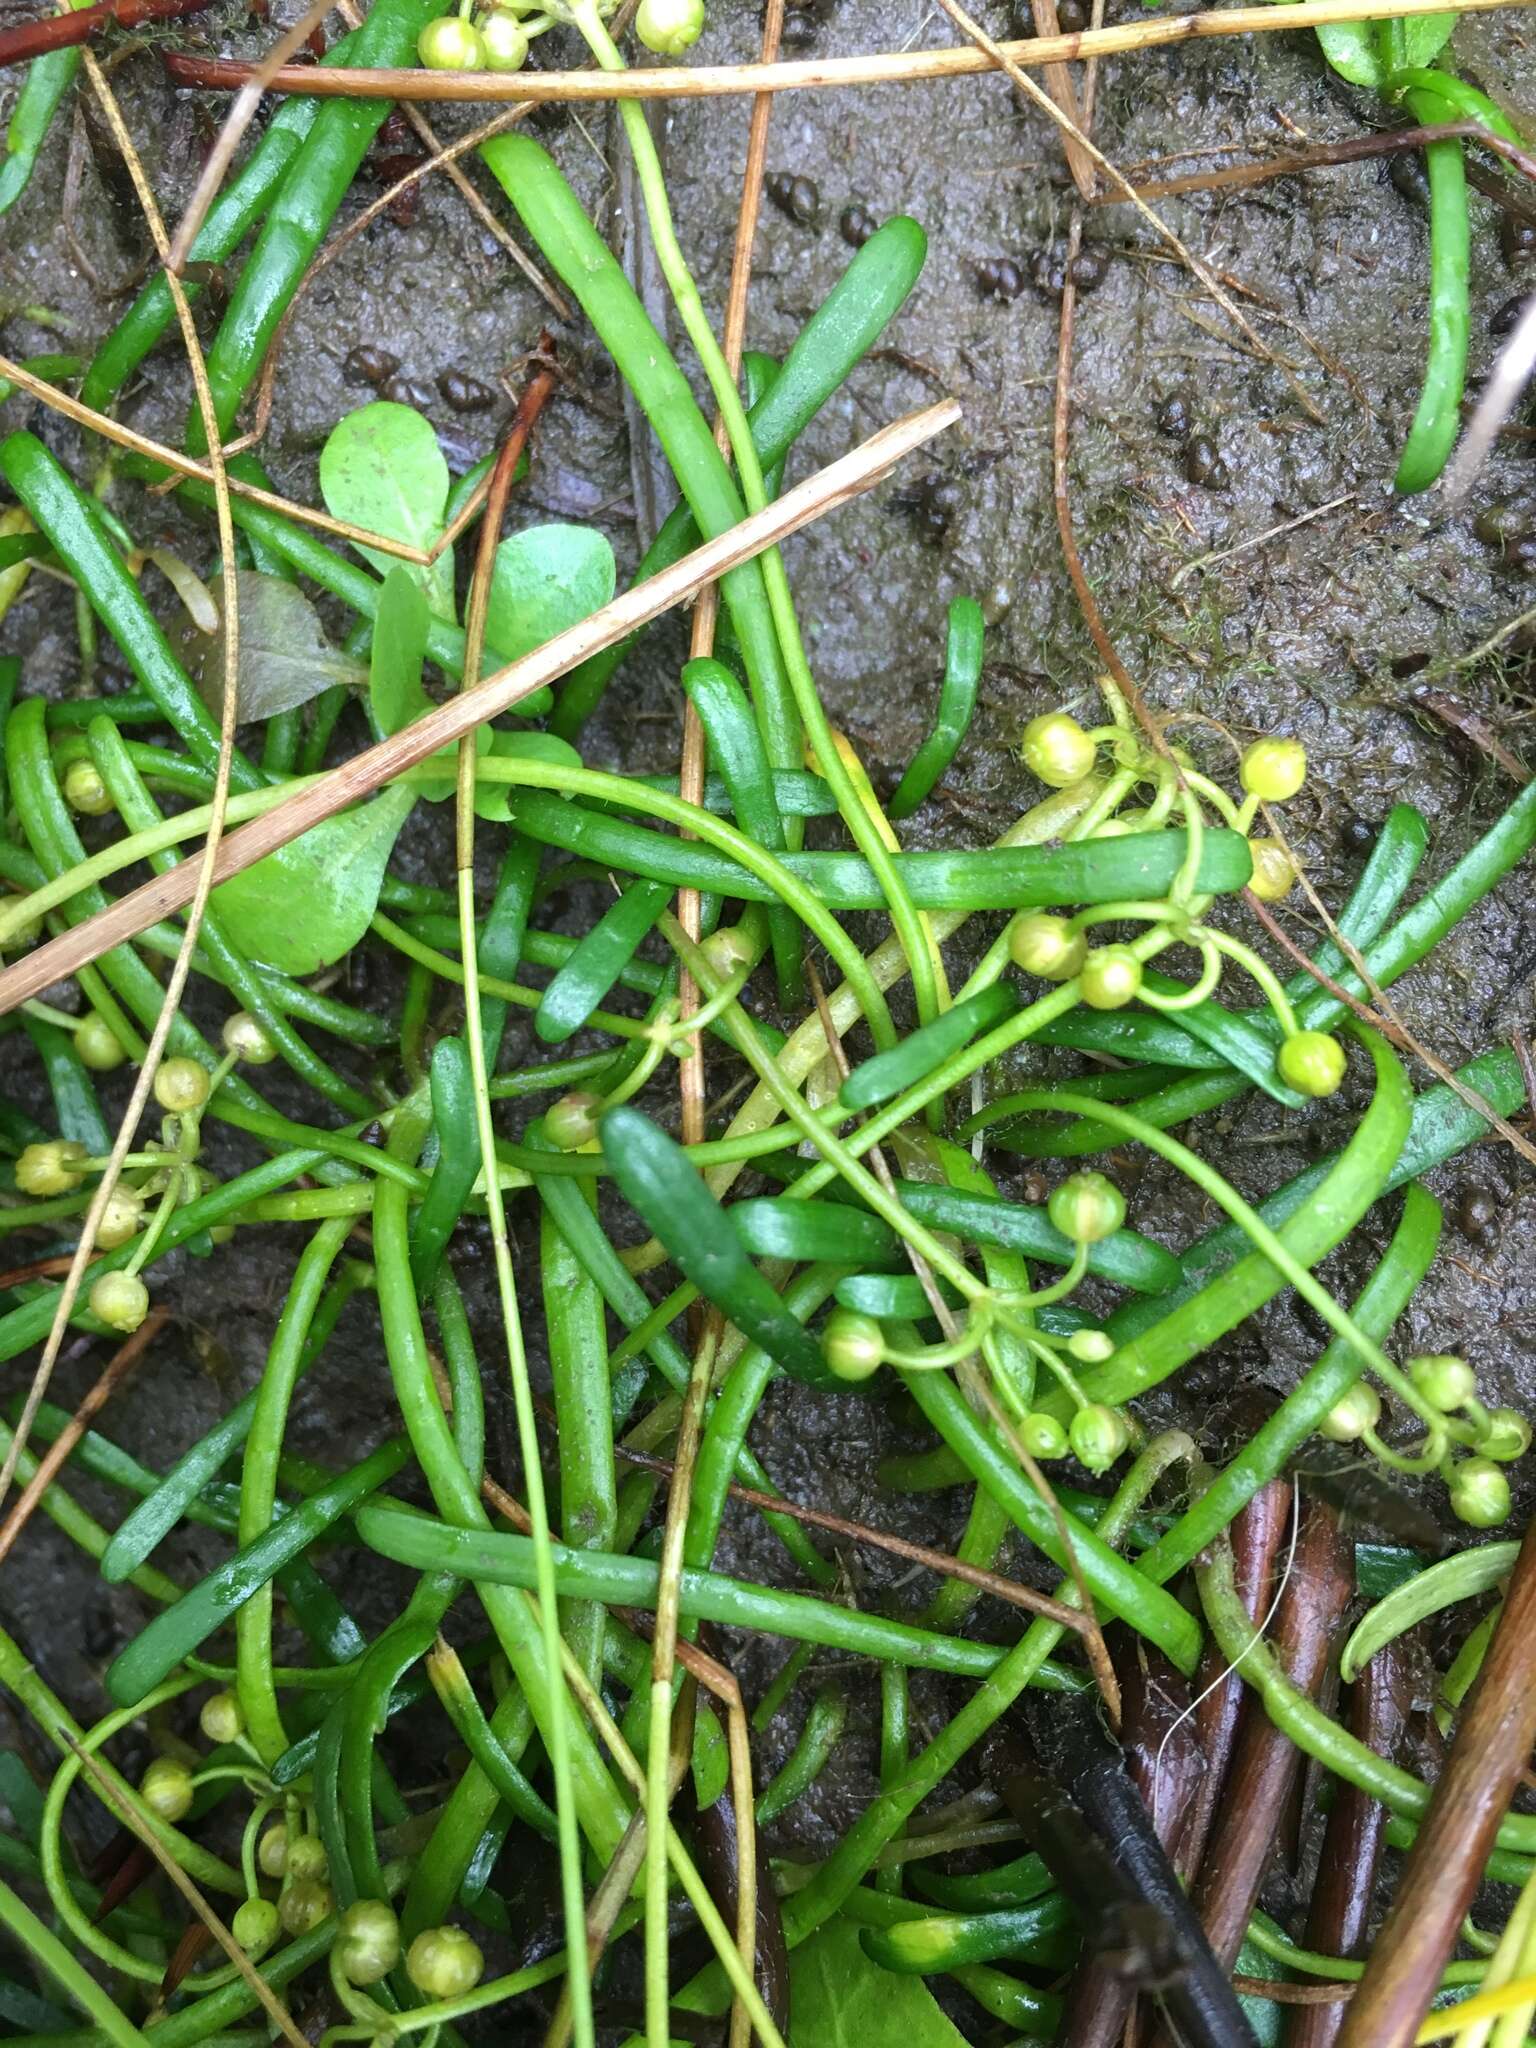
(121, 1300)
(443, 1962)
(1043, 1436)
(1479, 1493)
(1352, 1414)
(1311, 1062)
(669, 26)
(181, 1086)
(307, 1860)
(571, 1122)
(1098, 1435)
(1273, 876)
(84, 790)
(221, 1719)
(1092, 1347)
(1057, 751)
(55, 1167)
(451, 44)
(166, 1788)
(1086, 1207)
(1506, 1436)
(1111, 977)
(1046, 945)
(1273, 770)
(304, 1904)
(121, 1219)
(272, 1850)
(1446, 1382)
(728, 951)
(505, 39)
(96, 1043)
(367, 1941)
(246, 1037)
(256, 1926)
(852, 1344)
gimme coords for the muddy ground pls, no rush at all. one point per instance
(1321, 632)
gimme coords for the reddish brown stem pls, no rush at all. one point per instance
(1266, 1763)
(1445, 1865)
(1257, 1535)
(31, 39)
(1324, 156)
(1338, 1919)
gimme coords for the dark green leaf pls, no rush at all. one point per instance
(841, 1999)
(285, 658)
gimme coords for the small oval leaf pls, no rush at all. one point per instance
(382, 469)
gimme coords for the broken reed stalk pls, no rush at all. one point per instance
(835, 485)
(1445, 1865)
(896, 67)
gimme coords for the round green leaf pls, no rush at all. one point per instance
(304, 906)
(546, 579)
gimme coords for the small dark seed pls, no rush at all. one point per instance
(1502, 321)
(1477, 1214)
(1357, 834)
(1521, 554)
(1517, 238)
(1176, 416)
(1406, 170)
(1071, 17)
(1203, 463)
(1497, 525)
(799, 31)
(856, 224)
(999, 277)
(403, 391)
(366, 365)
(465, 394)
(1089, 267)
(1049, 271)
(797, 197)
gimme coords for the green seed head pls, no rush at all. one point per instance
(1043, 1436)
(451, 44)
(96, 1043)
(121, 1300)
(181, 1086)
(307, 1859)
(1479, 1493)
(304, 1904)
(571, 1123)
(852, 1344)
(166, 1788)
(1311, 1062)
(84, 790)
(1273, 876)
(367, 1941)
(272, 1850)
(1046, 945)
(54, 1167)
(1446, 1382)
(121, 1219)
(669, 26)
(443, 1962)
(1273, 770)
(1111, 976)
(246, 1037)
(1506, 1436)
(1352, 1414)
(1086, 1207)
(505, 39)
(1092, 1347)
(1057, 751)
(256, 1926)
(221, 1719)
(1098, 1435)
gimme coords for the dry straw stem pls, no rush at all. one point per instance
(895, 67)
(835, 485)
(186, 465)
(261, 1990)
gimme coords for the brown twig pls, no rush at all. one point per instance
(1266, 1763)
(1324, 155)
(1445, 1865)
(119, 1366)
(896, 67)
(29, 39)
(1472, 726)
(831, 487)
(1339, 1915)
(879, 1539)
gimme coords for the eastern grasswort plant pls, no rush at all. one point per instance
(523, 1798)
